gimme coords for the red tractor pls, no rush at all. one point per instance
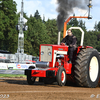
(53, 64)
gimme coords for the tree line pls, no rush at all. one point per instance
(40, 31)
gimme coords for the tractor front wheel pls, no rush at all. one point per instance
(61, 76)
(30, 80)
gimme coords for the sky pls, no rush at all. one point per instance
(48, 8)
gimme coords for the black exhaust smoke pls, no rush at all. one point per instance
(65, 8)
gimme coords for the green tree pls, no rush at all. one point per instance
(98, 26)
(2, 28)
(52, 30)
(36, 35)
(81, 24)
(36, 15)
(73, 22)
(95, 26)
(9, 20)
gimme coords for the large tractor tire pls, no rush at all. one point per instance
(61, 76)
(30, 80)
(87, 68)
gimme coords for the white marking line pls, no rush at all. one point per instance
(43, 91)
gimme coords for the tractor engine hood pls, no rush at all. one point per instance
(49, 53)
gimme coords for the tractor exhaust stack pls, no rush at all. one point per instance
(59, 37)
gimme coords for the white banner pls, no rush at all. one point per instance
(15, 66)
(20, 66)
(3, 66)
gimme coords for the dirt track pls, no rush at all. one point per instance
(18, 89)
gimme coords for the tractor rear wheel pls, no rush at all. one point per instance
(87, 68)
(61, 76)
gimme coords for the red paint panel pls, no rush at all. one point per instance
(56, 47)
(42, 73)
(38, 73)
(40, 54)
(68, 67)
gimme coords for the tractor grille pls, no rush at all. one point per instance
(46, 53)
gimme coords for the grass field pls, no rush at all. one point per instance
(12, 76)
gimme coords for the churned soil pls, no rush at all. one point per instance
(18, 89)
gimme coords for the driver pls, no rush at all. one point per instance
(70, 40)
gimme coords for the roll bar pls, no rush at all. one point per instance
(82, 36)
(65, 23)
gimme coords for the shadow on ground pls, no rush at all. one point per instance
(37, 83)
